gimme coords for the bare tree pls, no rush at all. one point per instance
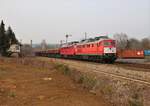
(26, 50)
(145, 43)
(134, 44)
(121, 40)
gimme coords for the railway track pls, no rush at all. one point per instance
(111, 70)
(95, 70)
(133, 66)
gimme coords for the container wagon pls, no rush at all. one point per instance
(130, 54)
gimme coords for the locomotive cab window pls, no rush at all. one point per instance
(106, 43)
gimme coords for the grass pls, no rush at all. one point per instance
(81, 79)
(135, 102)
(63, 68)
(87, 80)
(12, 94)
(135, 99)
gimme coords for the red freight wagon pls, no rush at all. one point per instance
(136, 54)
(53, 51)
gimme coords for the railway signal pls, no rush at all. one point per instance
(67, 37)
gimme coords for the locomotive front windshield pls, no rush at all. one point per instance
(109, 43)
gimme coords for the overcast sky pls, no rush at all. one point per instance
(52, 19)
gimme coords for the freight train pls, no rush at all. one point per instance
(100, 49)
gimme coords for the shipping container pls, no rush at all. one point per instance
(129, 54)
(147, 52)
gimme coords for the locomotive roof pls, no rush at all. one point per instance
(69, 44)
(94, 40)
(86, 41)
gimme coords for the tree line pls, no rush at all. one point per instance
(124, 42)
(7, 38)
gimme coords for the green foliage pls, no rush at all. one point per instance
(89, 81)
(6, 39)
(81, 79)
(107, 90)
(11, 36)
(63, 68)
(135, 99)
(66, 70)
(135, 102)
(12, 94)
(2, 37)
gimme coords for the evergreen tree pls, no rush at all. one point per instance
(11, 36)
(2, 37)
(7, 38)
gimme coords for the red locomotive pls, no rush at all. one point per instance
(101, 49)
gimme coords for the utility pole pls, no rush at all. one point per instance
(61, 42)
(31, 43)
(20, 41)
(85, 35)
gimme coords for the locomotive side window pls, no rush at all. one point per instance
(92, 45)
(97, 44)
(88, 45)
(79, 46)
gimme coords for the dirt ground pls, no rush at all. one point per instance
(27, 86)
